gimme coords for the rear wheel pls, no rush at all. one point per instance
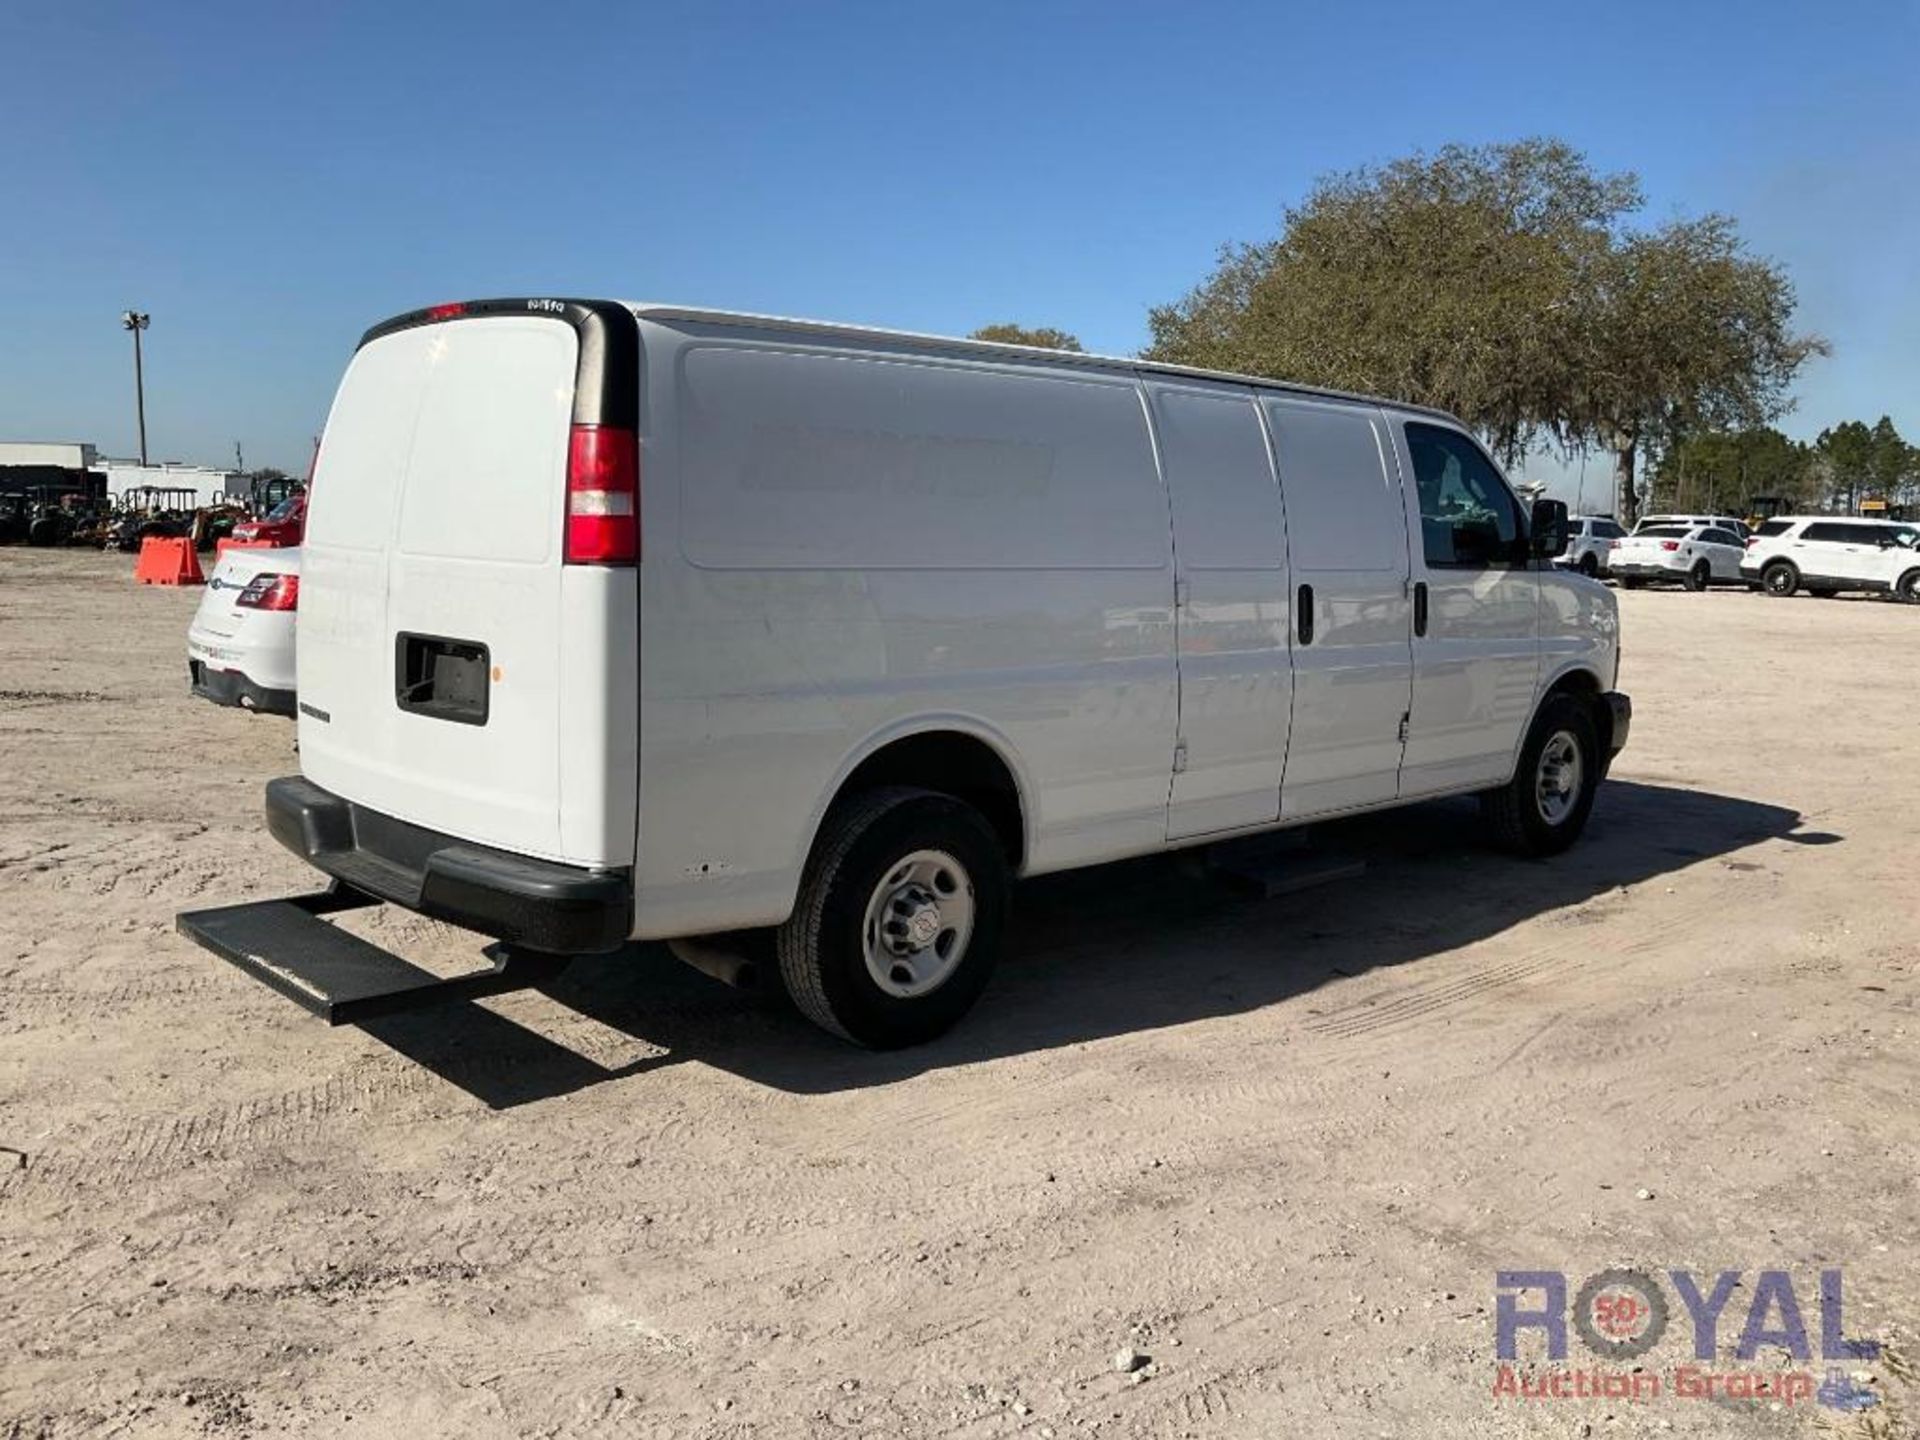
(1631, 582)
(1589, 566)
(1543, 809)
(1780, 578)
(1907, 587)
(1698, 576)
(1822, 592)
(899, 917)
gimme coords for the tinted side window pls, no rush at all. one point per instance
(1607, 530)
(1868, 534)
(1830, 532)
(1774, 527)
(1720, 537)
(1468, 517)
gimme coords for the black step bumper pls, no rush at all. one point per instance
(338, 976)
(538, 904)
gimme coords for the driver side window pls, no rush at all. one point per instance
(1468, 517)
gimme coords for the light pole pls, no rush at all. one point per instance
(135, 321)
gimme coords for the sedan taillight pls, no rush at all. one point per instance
(1669, 544)
(271, 592)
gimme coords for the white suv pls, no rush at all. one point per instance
(1590, 539)
(1826, 554)
(1681, 553)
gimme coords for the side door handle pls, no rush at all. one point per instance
(1420, 607)
(1303, 610)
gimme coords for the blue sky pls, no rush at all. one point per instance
(266, 180)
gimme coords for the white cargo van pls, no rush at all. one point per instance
(639, 622)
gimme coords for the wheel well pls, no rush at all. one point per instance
(954, 764)
(1585, 685)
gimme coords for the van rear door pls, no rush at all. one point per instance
(456, 672)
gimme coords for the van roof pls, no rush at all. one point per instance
(949, 344)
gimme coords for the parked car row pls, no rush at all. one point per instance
(1822, 554)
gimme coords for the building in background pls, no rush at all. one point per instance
(44, 469)
(209, 485)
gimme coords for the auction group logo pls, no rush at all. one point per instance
(1621, 1315)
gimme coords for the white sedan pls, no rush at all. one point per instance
(240, 646)
(1695, 556)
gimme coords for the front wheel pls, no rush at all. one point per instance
(1907, 588)
(899, 917)
(1543, 809)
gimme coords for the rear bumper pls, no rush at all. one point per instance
(1645, 570)
(539, 904)
(230, 687)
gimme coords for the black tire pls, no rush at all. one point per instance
(1699, 577)
(1516, 813)
(1780, 579)
(1589, 566)
(823, 944)
(1631, 582)
(1907, 588)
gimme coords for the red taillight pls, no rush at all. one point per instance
(271, 592)
(1752, 541)
(1669, 544)
(603, 496)
(446, 312)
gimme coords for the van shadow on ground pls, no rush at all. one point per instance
(1135, 946)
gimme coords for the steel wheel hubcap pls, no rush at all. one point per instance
(918, 922)
(1557, 778)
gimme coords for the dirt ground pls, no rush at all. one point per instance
(1282, 1146)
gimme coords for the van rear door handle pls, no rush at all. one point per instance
(1420, 607)
(1303, 608)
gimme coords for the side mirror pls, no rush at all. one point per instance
(1548, 529)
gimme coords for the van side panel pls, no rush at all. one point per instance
(1234, 614)
(843, 545)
